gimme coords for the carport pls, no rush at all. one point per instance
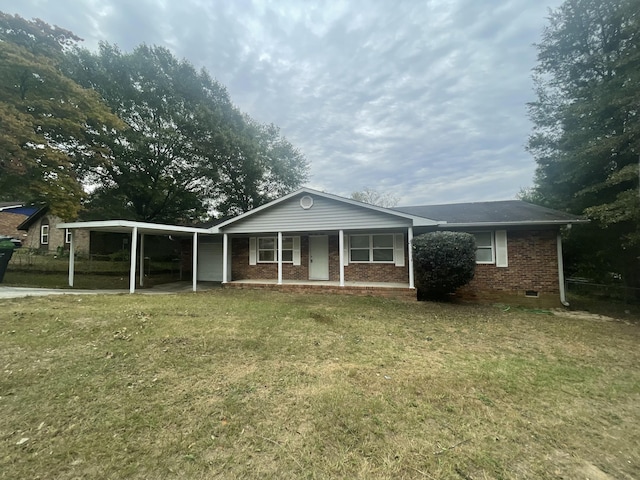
(135, 229)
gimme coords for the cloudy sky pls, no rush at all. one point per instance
(422, 99)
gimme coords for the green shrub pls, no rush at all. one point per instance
(443, 262)
(6, 244)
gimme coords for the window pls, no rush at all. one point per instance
(268, 249)
(67, 235)
(484, 247)
(44, 234)
(371, 248)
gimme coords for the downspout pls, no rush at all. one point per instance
(563, 298)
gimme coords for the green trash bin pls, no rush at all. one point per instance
(6, 251)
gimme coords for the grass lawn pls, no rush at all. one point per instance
(250, 384)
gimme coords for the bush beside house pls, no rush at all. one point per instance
(443, 262)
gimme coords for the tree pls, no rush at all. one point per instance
(186, 150)
(586, 137)
(373, 197)
(443, 262)
(48, 123)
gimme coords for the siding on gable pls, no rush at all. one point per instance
(325, 214)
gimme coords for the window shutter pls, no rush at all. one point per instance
(252, 251)
(398, 249)
(345, 253)
(296, 250)
(502, 257)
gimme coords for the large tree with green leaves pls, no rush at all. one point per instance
(187, 148)
(586, 138)
(48, 124)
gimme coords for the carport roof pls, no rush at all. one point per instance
(126, 226)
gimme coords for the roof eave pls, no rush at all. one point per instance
(516, 223)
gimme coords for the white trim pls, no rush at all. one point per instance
(225, 252)
(126, 226)
(43, 234)
(563, 298)
(341, 253)
(493, 248)
(279, 257)
(502, 250)
(371, 248)
(410, 250)
(141, 264)
(194, 268)
(133, 254)
(72, 259)
(296, 250)
(398, 249)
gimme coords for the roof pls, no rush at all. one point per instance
(126, 226)
(35, 216)
(506, 212)
(417, 220)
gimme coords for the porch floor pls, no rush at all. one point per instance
(377, 289)
(322, 283)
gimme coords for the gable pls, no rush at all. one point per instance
(324, 214)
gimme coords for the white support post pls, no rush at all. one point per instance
(410, 254)
(141, 264)
(225, 259)
(563, 298)
(134, 253)
(72, 257)
(279, 258)
(341, 247)
(194, 268)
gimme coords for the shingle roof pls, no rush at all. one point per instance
(501, 212)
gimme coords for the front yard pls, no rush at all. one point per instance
(246, 384)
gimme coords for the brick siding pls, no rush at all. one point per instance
(363, 272)
(533, 265)
(9, 224)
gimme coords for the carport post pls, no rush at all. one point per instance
(134, 252)
(279, 258)
(225, 260)
(341, 249)
(141, 264)
(72, 255)
(195, 261)
(410, 252)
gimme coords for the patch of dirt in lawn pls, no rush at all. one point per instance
(564, 464)
(582, 315)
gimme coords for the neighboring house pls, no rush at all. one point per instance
(314, 240)
(12, 214)
(40, 233)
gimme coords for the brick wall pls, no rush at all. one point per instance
(533, 265)
(9, 224)
(365, 272)
(56, 237)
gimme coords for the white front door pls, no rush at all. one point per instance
(319, 257)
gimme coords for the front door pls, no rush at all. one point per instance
(319, 257)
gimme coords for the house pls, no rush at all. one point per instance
(311, 240)
(12, 214)
(39, 233)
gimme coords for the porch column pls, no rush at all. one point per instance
(134, 253)
(194, 267)
(72, 257)
(341, 249)
(141, 264)
(279, 258)
(225, 266)
(410, 252)
(563, 298)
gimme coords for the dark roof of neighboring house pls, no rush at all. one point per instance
(501, 212)
(34, 217)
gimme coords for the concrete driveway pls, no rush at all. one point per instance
(167, 288)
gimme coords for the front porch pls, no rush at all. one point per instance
(378, 289)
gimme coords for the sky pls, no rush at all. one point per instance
(424, 100)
